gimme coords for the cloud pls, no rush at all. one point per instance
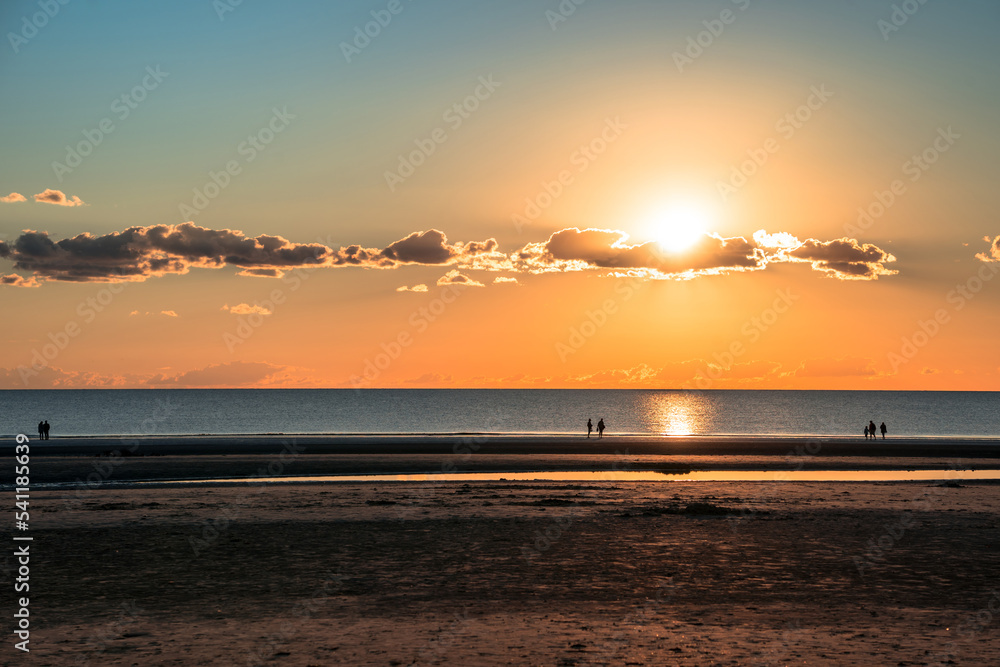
(431, 380)
(58, 198)
(415, 288)
(453, 277)
(846, 367)
(15, 280)
(13, 198)
(246, 309)
(139, 253)
(574, 249)
(51, 377)
(232, 374)
(165, 313)
(505, 280)
(577, 250)
(430, 248)
(845, 259)
(994, 252)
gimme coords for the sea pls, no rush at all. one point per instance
(114, 412)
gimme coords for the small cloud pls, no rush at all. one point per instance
(505, 280)
(13, 198)
(58, 198)
(14, 280)
(930, 371)
(430, 380)
(246, 309)
(415, 288)
(453, 277)
(261, 273)
(166, 313)
(847, 367)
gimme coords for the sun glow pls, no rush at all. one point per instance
(679, 225)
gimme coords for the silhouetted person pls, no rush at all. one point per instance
(600, 428)
(871, 429)
(866, 432)
(46, 425)
(590, 427)
(883, 429)
(41, 431)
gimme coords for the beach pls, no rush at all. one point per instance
(126, 570)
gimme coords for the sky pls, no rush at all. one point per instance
(413, 193)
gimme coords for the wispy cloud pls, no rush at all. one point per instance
(246, 309)
(13, 198)
(14, 280)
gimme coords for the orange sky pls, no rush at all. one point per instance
(528, 206)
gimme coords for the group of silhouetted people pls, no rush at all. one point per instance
(870, 430)
(43, 430)
(600, 427)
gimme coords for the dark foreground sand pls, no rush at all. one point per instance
(595, 573)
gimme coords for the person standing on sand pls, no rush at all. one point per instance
(866, 432)
(41, 431)
(46, 425)
(871, 429)
(600, 428)
(883, 429)
(590, 427)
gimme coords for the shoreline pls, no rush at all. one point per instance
(526, 445)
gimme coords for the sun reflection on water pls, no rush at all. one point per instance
(677, 413)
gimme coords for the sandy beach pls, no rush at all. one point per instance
(540, 573)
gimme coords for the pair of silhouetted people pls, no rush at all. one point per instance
(600, 427)
(43, 430)
(873, 432)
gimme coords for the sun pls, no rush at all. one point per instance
(677, 226)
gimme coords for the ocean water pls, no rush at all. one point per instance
(510, 411)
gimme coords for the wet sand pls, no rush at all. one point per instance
(595, 573)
